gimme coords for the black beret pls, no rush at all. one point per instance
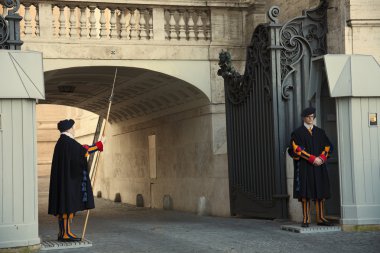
(64, 125)
(308, 111)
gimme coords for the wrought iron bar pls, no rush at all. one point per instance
(10, 26)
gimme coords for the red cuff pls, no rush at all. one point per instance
(99, 144)
(323, 157)
(311, 159)
(86, 147)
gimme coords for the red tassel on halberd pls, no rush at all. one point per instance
(99, 144)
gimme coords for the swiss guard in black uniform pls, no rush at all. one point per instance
(70, 187)
(310, 149)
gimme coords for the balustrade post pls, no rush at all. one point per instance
(190, 25)
(143, 28)
(172, 26)
(158, 23)
(62, 21)
(103, 28)
(73, 23)
(37, 20)
(83, 22)
(5, 12)
(123, 25)
(132, 23)
(200, 28)
(27, 20)
(182, 26)
(53, 23)
(93, 33)
(150, 24)
(207, 26)
(113, 31)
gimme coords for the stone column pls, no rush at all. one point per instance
(158, 24)
(46, 19)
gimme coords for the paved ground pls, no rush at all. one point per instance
(115, 227)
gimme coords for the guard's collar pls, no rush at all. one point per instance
(308, 126)
(68, 134)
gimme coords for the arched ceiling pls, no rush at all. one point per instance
(138, 92)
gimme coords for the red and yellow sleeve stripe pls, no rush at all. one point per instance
(301, 153)
(91, 149)
(325, 153)
(296, 151)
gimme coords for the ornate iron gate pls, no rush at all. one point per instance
(262, 108)
(10, 26)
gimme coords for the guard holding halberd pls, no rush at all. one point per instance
(70, 187)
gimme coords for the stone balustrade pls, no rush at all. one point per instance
(104, 20)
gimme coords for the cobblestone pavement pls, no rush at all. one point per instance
(115, 227)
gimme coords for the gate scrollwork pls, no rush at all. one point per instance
(15, 4)
(238, 87)
(9, 31)
(302, 36)
(273, 13)
(4, 31)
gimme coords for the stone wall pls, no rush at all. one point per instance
(362, 33)
(190, 161)
(190, 150)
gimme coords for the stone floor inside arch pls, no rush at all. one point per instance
(115, 227)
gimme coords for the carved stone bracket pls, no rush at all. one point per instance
(238, 87)
(235, 86)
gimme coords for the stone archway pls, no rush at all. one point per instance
(138, 92)
(151, 112)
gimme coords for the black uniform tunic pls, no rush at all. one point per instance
(70, 189)
(311, 182)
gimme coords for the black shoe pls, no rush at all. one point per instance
(305, 225)
(70, 239)
(325, 223)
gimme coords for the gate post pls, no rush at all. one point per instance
(280, 196)
(10, 32)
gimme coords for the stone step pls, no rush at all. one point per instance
(296, 228)
(54, 244)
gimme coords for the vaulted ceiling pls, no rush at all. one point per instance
(138, 92)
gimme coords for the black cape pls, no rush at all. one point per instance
(311, 182)
(69, 180)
